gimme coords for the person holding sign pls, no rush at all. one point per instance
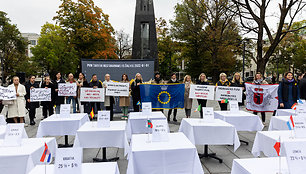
(288, 92)
(124, 102)
(17, 109)
(136, 91)
(82, 82)
(48, 105)
(31, 106)
(109, 100)
(71, 98)
(202, 102)
(260, 81)
(223, 82)
(238, 82)
(58, 99)
(187, 101)
(172, 81)
(95, 83)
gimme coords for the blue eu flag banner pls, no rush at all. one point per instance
(163, 96)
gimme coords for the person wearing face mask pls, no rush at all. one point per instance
(172, 81)
(202, 81)
(136, 91)
(48, 105)
(109, 100)
(288, 91)
(31, 106)
(223, 82)
(260, 81)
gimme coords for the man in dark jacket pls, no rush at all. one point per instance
(302, 86)
(58, 99)
(31, 106)
(171, 81)
(95, 83)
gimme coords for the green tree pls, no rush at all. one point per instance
(87, 29)
(52, 53)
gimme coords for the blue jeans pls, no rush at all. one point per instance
(68, 101)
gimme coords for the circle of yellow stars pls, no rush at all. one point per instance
(164, 92)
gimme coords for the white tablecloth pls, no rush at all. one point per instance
(19, 160)
(137, 122)
(90, 136)
(259, 166)
(178, 155)
(217, 133)
(243, 121)
(3, 131)
(285, 112)
(279, 123)
(265, 141)
(57, 126)
(87, 168)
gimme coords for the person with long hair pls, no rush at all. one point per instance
(288, 91)
(238, 82)
(31, 106)
(124, 102)
(48, 105)
(260, 81)
(187, 101)
(71, 99)
(223, 82)
(136, 91)
(82, 82)
(202, 81)
(58, 99)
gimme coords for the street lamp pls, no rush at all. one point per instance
(243, 56)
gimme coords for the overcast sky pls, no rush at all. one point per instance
(30, 15)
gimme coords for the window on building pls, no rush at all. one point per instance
(33, 42)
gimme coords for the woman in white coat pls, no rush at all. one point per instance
(17, 109)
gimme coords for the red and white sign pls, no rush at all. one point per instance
(92, 95)
(229, 93)
(202, 92)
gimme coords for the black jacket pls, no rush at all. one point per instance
(170, 81)
(202, 83)
(58, 100)
(302, 86)
(28, 86)
(135, 90)
(52, 86)
(95, 83)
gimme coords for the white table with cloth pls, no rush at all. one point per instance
(204, 133)
(22, 159)
(285, 112)
(3, 131)
(90, 136)
(265, 140)
(259, 166)
(137, 122)
(178, 155)
(87, 168)
(279, 122)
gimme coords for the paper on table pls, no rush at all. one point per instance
(300, 127)
(160, 131)
(296, 156)
(234, 107)
(13, 135)
(65, 111)
(68, 161)
(147, 108)
(208, 114)
(103, 119)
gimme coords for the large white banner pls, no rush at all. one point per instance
(117, 89)
(261, 97)
(7, 93)
(67, 89)
(229, 93)
(206, 92)
(40, 94)
(92, 95)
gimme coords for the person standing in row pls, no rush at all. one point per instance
(260, 81)
(82, 82)
(238, 82)
(157, 80)
(124, 102)
(202, 81)
(58, 99)
(302, 86)
(95, 83)
(288, 92)
(31, 106)
(109, 100)
(172, 81)
(136, 91)
(17, 109)
(223, 82)
(48, 105)
(187, 100)
(72, 99)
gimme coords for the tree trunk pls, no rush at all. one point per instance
(261, 66)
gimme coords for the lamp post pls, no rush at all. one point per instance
(2, 67)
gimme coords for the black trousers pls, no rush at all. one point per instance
(223, 106)
(46, 108)
(135, 106)
(203, 104)
(170, 112)
(111, 109)
(32, 113)
(263, 116)
(96, 106)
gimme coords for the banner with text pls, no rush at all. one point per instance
(202, 92)
(67, 89)
(7, 93)
(229, 93)
(117, 89)
(92, 95)
(40, 94)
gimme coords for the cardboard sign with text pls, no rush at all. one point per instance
(65, 111)
(208, 114)
(13, 134)
(160, 131)
(103, 119)
(296, 156)
(206, 92)
(68, 161)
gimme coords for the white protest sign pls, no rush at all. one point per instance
(160, 131)
(92, 95)
(146, 108)
(300, 110)
(300, 127)
(65, 111)
(296, 156)
(2, 120)
(230, 93)
(67, 89)
(68, 161)
(103, 119)
(208, 114)
(117, 89)
(206, 92)
(7, 93)
(234, 107)
(13, 134)
(40, 94)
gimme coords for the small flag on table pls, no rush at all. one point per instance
(290, 123)
(46, 153)
(92, 114)
(198, 109)
(293, 106)
(150, 125)
(224, 101)
(300, 101)
(277, 148)
(138, 103)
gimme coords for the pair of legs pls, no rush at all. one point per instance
(223, 106)
(47, 108)
(111, 109)
(96, 106)
(32, 113)
(263, 116)
(203, 104)
(135, 106)
(72, 100)
(174, 114)
(188, 113)
(20, 118)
